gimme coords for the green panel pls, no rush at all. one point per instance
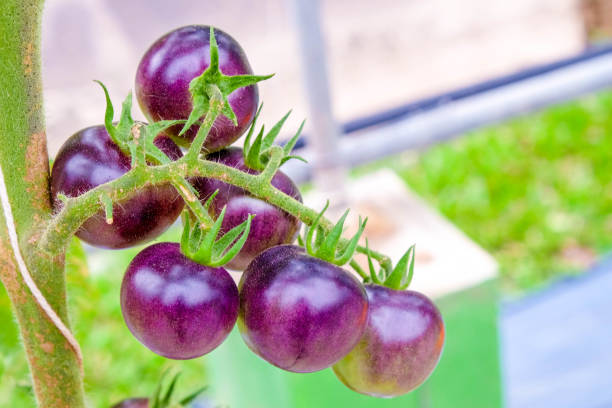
(238, 378)
(467, 376)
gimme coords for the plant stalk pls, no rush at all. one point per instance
(54, 366)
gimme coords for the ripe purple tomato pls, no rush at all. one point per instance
(298, 312)
(90, 158)
(401, 345)
(176, 307)
(133, 403)
(164, 73)
(271, 226)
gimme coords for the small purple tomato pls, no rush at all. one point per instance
(133, 403)
(401, 345)
(176, 307)
(298, 312)
(169, 65)
(90, 158)
(271, 225)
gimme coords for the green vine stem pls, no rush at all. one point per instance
(78, 209)
(54, 365)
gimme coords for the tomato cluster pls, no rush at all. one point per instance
(295, 310)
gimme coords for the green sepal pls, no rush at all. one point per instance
(154, 153)
(120, 133)
(328, 246)
(200, 91)
(288, 147)
(189, 398)
(257, 154)
(351, 245)
(374, 276)
(401, 276)
(163, 394)
(206, 247)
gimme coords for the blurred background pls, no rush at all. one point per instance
(480, 130)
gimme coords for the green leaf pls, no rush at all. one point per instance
(165, 400)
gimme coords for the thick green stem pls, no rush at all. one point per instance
(53, 363)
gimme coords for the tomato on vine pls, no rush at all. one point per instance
(178, 308)
(300, 313)
(401, 345)
(165, 71)
(90, 158)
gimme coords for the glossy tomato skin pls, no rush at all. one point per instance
(90, 158)
(176, 307)
(133, 403)
(164, 73)
(401, 345)
(300, 313)
(271, 225)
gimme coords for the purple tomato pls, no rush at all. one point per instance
(176, 307)
(298, 312)
(133, 403)
(271, 225)
(164, 73)
(90, 158)
(401, 345)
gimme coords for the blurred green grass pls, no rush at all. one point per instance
(535, 192)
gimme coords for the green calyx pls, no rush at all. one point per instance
(202, 246)
(257, 155)
(327, 246)
(135, 139)
(213, 81)
(398, 278)
(162, 397)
